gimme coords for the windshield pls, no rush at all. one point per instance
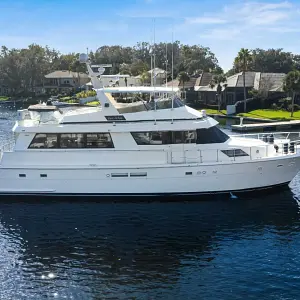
(164, 103)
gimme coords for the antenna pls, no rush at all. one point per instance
(166, 63)
(172, 65)
(151, 60)
(154, 80)
(153, 70)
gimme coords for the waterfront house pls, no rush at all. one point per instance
(64, 81)
(159, 76)
(190, 93)
(268, 84)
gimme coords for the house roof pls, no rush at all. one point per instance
(65, 74)
(257, 80)
(157, 71)
(177, 83)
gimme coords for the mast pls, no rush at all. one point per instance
(172, 65)
(166, 63)
(153, 70)
(154, 77)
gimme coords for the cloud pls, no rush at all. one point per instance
(267, 17)
(240, 20)
(206, 20)
(225, 34)
(284, 29)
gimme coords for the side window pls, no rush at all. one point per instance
(178, 137)
(99, 140)
(184, 137)
(141, 138)
(235, 152)
(71, 140)
(156, 138)
(44, 140)
(211, 135)
(164, 137)
(189, 137)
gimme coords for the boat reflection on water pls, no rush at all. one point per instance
(85, 250)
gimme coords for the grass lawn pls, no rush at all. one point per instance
(3, 98)
(214, 111)
(281, 115)
(93, 103)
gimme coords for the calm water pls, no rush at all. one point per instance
(245, 248)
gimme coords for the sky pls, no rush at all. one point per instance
(223, 26)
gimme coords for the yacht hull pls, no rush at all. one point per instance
(154, 181)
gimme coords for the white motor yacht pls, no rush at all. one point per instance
(156, 147)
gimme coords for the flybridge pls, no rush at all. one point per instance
(109, 106)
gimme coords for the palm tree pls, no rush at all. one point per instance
(242, 61)
(183, 77)
(292, 84)
(218, 80)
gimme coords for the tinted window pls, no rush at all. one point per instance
(141, 138)
(235, 152)
(211, 135)
(44, 140)
(99, 140)
(72, 140)
(164, 137)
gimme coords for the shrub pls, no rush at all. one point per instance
(296, 107)
(274, 106)
(85, 94)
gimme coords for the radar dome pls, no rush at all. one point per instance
(83, 57)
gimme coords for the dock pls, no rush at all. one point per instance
(266, 126)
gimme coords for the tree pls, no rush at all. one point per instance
(270, 61)
(145, 77)
(292, 84)
(243, 60)
(219, 81)
(183, 77)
